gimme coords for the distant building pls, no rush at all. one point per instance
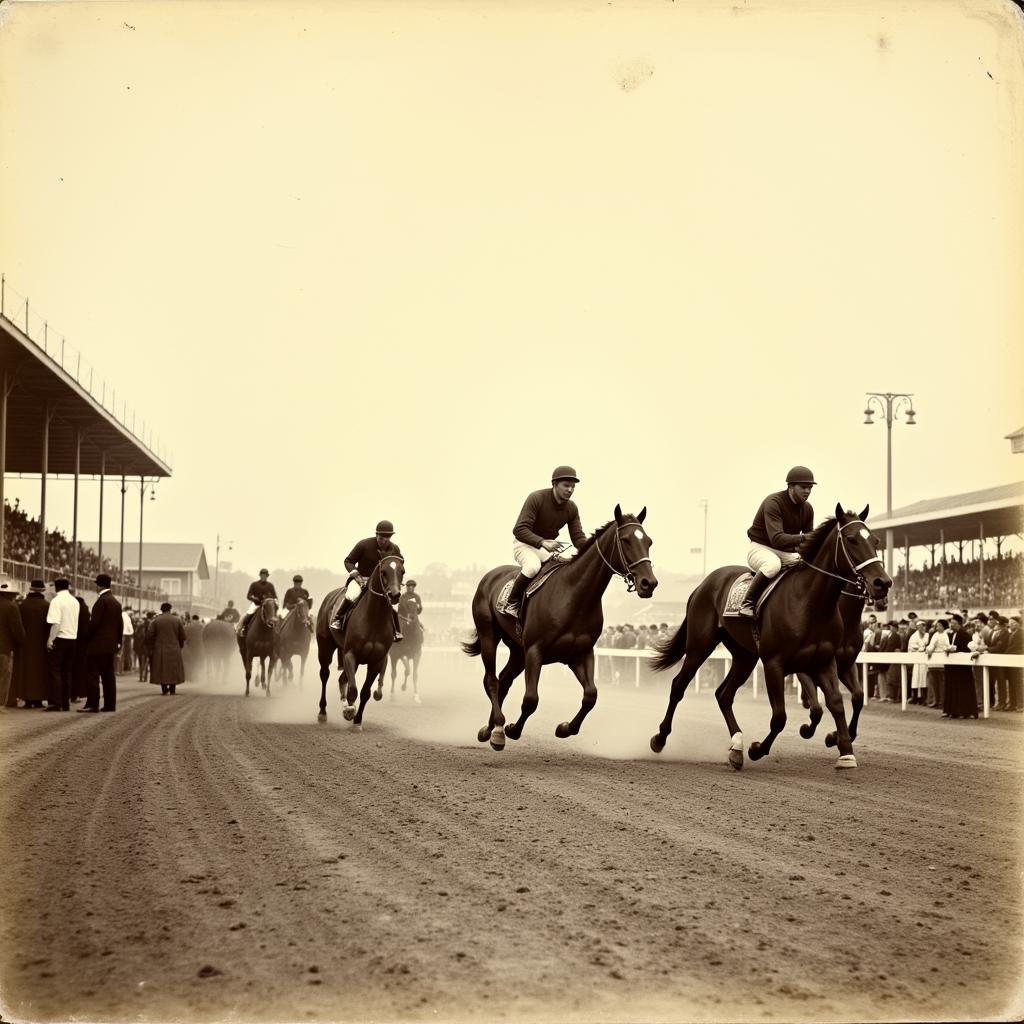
(175, 570)
(1016, 440)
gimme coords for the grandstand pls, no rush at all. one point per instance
(58, 418)
(971, 549)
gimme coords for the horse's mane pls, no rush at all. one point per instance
(811, 544)
(592, 539)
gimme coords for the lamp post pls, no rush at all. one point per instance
(144, 485)
(216, 571)
(889, 404)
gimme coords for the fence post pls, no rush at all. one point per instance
(903, 687)
(984, 691)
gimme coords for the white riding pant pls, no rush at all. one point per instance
(352, 590)
(252, 607)
(762, 558)
(530, 559)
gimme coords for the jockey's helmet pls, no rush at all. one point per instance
(410, 583)
(564, 473)
(800, 475)
(264, 572)
(296, 579)
(385, 526)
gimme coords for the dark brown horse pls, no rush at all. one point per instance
(218, 642)
(561, 622)
(293, 638)
(408, 652)
(260, 641)
(800, 630)
(366, 637)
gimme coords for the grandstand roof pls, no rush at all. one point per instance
(159, 557)
(996, 511)
(40, 380)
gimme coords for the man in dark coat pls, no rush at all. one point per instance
(12, 636)
(230, 614)
(103, 638)
(361, 562)
(32, 667)
(81, 675)
(165, 638)
(960, 699)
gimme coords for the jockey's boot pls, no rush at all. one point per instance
(514, 598)
(244, 625)
(342, 609)
(754, 591)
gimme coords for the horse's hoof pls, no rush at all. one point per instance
(378, 694)
(357, 726)
(322, 717)
(563, 729)
(348, 714)
(484, 734)
(736, 758)
(416, 699)
(403, 687)
(497, 738)
(830, 740)
(754, 751)
(657, 744)
(846, 761)
(806, 731)
(513, 731)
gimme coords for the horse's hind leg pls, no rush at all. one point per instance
(494, 730)
(775, 684)
(699, 645)
(324, 653)
(530, 698)
(743, 663)
(809, 696)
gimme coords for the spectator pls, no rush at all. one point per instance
(103, 640)
(165, 637)
(938, 644)
(12, 637)
(127, 640)
(1015, 645)
(80, 671)
(998, 677)
(62, 616)
(917, 643)
(889, 643)
(960, 701)
(31, 668)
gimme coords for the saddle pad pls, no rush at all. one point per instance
(531, 588)
(738, 591)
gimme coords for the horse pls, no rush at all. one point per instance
(293, 638)
(218, 643)
(800, 630)
(260, 641)
(408, 651)
(365, 638)
(561, 622)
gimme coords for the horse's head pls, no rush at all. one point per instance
(268, 612)
(301, 609)
(633, 545)
(858, 551)
(390, 570)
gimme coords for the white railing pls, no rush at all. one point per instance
(982, 661)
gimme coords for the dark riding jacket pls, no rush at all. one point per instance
(229, 615)
(363, 558)
(293, 595)
(259, 591)
(780, 522)
(542, 517)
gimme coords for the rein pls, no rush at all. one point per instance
(380, 575)
(857, 579)
(627, 573)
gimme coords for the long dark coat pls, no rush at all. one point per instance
(31, 665)
(165, 639)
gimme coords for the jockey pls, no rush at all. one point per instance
(361, 562)
(230, 614)
(544, 513)
(297, 593)
(410, 606)
(777, 532)
(259, 591)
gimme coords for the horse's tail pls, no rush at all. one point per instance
(472, 647)
(671, 652)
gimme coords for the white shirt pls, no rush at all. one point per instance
(129, 629)
(64, 610)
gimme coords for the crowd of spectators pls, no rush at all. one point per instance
(959, 583)
(21, 544)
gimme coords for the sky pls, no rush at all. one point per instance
(399, 260)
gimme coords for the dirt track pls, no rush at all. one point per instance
(204, 857)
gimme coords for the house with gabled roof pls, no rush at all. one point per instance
(173, 569)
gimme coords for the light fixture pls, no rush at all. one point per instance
(867, 416)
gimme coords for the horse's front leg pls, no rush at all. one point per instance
(530, 698)
(829, 683)
(348, 678)
(324, 653)
(775, 684)
(373, 671)
(583, 670)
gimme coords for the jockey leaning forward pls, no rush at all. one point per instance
(544, 513)
(777, 532)
(295, 593)
(259, 591)
(361, 562)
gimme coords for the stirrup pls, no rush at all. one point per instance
(335, 623)
(398, 636)
(512, 610)
(747, 611)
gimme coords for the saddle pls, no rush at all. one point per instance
(738, 591)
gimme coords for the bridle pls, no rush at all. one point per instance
(377, 572)
(627, 572)
(263, 609)
(858, 577)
